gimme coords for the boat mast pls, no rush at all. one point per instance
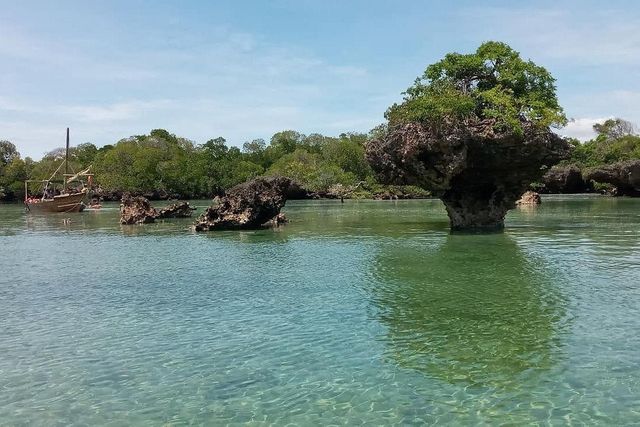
(66, 162)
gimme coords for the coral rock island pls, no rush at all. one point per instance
(138, 210)
(248, 205)
(479, 173)
(475, 130)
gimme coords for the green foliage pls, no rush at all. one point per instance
(601, 152)
(614, 129)
(494, 82)
(13, 171)
(8, 152)
(162, 161)
(12, 178)
(347, 152)
(311, 170)
(616, 141)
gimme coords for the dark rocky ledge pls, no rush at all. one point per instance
(564, 180)
(176, 210)
(138, 210)
(249, 205)
(624, 176)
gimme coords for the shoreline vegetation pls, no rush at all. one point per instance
(163, 166)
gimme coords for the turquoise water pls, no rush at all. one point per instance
(362, 313)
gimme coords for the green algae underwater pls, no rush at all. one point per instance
(357, 313)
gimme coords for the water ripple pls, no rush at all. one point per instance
(362, 313)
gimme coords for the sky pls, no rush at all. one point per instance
(247, 69)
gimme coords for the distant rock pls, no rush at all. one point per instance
(564, 180)
(248, 205)
(176, 210)
(624, 176)
(529, 198)
(136, 210)
(278, 220)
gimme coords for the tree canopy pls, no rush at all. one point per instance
(161, 162)
(616, 141)
(494, 82)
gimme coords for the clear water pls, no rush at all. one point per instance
(362, 313)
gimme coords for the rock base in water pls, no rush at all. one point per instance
(529, 198)
(248, 205)
(136, 210)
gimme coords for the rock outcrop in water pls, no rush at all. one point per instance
(136, 210)
(248, 205)
(176, 210)
(476, 170)
(564, 180)
(624, 176)
(529, 198)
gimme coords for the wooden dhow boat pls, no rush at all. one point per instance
(64, 199)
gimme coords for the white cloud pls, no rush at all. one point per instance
(581, 128)
(115, 112)
(199, 86)
(624, 104)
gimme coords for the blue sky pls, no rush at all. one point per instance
(246, 69)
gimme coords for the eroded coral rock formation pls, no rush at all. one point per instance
(625, 176)
(564, 180)
(529, 198)
(248, 205)
(136, 210)
(176, 210)
(477, 171)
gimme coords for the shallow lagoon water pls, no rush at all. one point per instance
(356, 313)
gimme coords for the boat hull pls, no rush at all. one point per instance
(63, 203)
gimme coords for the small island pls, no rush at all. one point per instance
(475, 131)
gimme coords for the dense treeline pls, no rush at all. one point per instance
(617, 140)
(163, 163)
(599, 164)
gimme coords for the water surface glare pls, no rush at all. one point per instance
(356, 313)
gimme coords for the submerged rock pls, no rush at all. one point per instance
(564, 180)
(177, 210)
(248, 205)
(278, 220)
(624, 176)
(529, 198)
(136, 210)
(477, 171)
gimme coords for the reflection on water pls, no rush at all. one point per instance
(472, 310)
